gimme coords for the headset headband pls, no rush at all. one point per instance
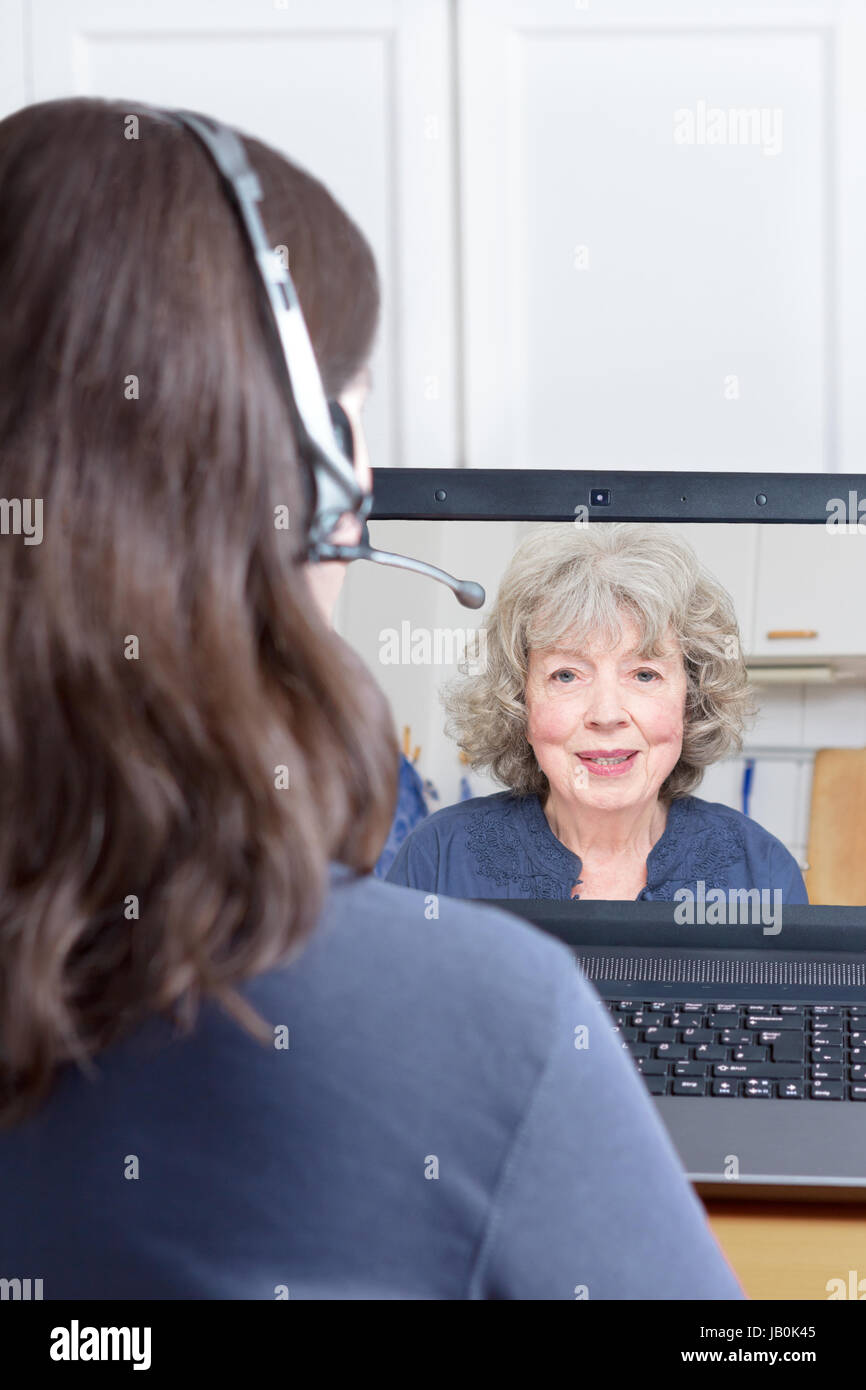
(336, 486)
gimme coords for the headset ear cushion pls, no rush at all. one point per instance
(342, 429)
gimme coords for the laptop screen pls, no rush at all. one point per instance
(675, 711)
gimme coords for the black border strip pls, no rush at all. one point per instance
(551, 494)
(805, 927)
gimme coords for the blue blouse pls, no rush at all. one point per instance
(501, 846)
(411, 808)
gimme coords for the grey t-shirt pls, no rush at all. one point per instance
(431, 1131)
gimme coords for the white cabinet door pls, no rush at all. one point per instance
(817, 585)
(663, 211)
(358, 93)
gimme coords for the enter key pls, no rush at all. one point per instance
(786, 1046)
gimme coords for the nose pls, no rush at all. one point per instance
(604, 709)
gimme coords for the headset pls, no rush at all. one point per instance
(323, 427)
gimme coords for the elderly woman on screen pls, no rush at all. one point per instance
(612, 677)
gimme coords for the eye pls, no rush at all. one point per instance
(647, 672)
(570, 677)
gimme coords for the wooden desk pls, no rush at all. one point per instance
(790, 1250)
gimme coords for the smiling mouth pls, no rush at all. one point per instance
(607, 764)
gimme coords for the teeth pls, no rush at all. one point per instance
(611, 762)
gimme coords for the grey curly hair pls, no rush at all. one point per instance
(581, 581)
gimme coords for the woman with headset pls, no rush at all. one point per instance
(233, 1064)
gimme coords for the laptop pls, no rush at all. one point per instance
(754, 1052)
(751, 1044)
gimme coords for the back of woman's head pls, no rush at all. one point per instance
(184, 744)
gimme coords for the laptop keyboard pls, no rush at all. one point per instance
(765, 1051)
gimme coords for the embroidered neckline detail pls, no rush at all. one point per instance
(496, 838)
(503, 836)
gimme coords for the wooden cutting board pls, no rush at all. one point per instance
(837, 828)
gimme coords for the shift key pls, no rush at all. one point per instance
(787, 1047)
(771, 1071)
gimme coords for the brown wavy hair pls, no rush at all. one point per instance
(162, 655)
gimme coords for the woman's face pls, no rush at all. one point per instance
(590, 704)
(326, 579)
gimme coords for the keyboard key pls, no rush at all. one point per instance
(640, 1050)
(750, 1054)
(828, 1071)
(711, 1052)
(739, 1037)
(654, 1066)
(764, 1070)
(689, 1086)
(726, 1088)
(655, 1034)
(827, 1090)
(657, 1085)
(776, 1021)
(791, 1090)
(788, 1047)
(690, 1068)
(759, 1090)
(826, 1054)
(828, 1039)
(674, 1052)
(857, 1092)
